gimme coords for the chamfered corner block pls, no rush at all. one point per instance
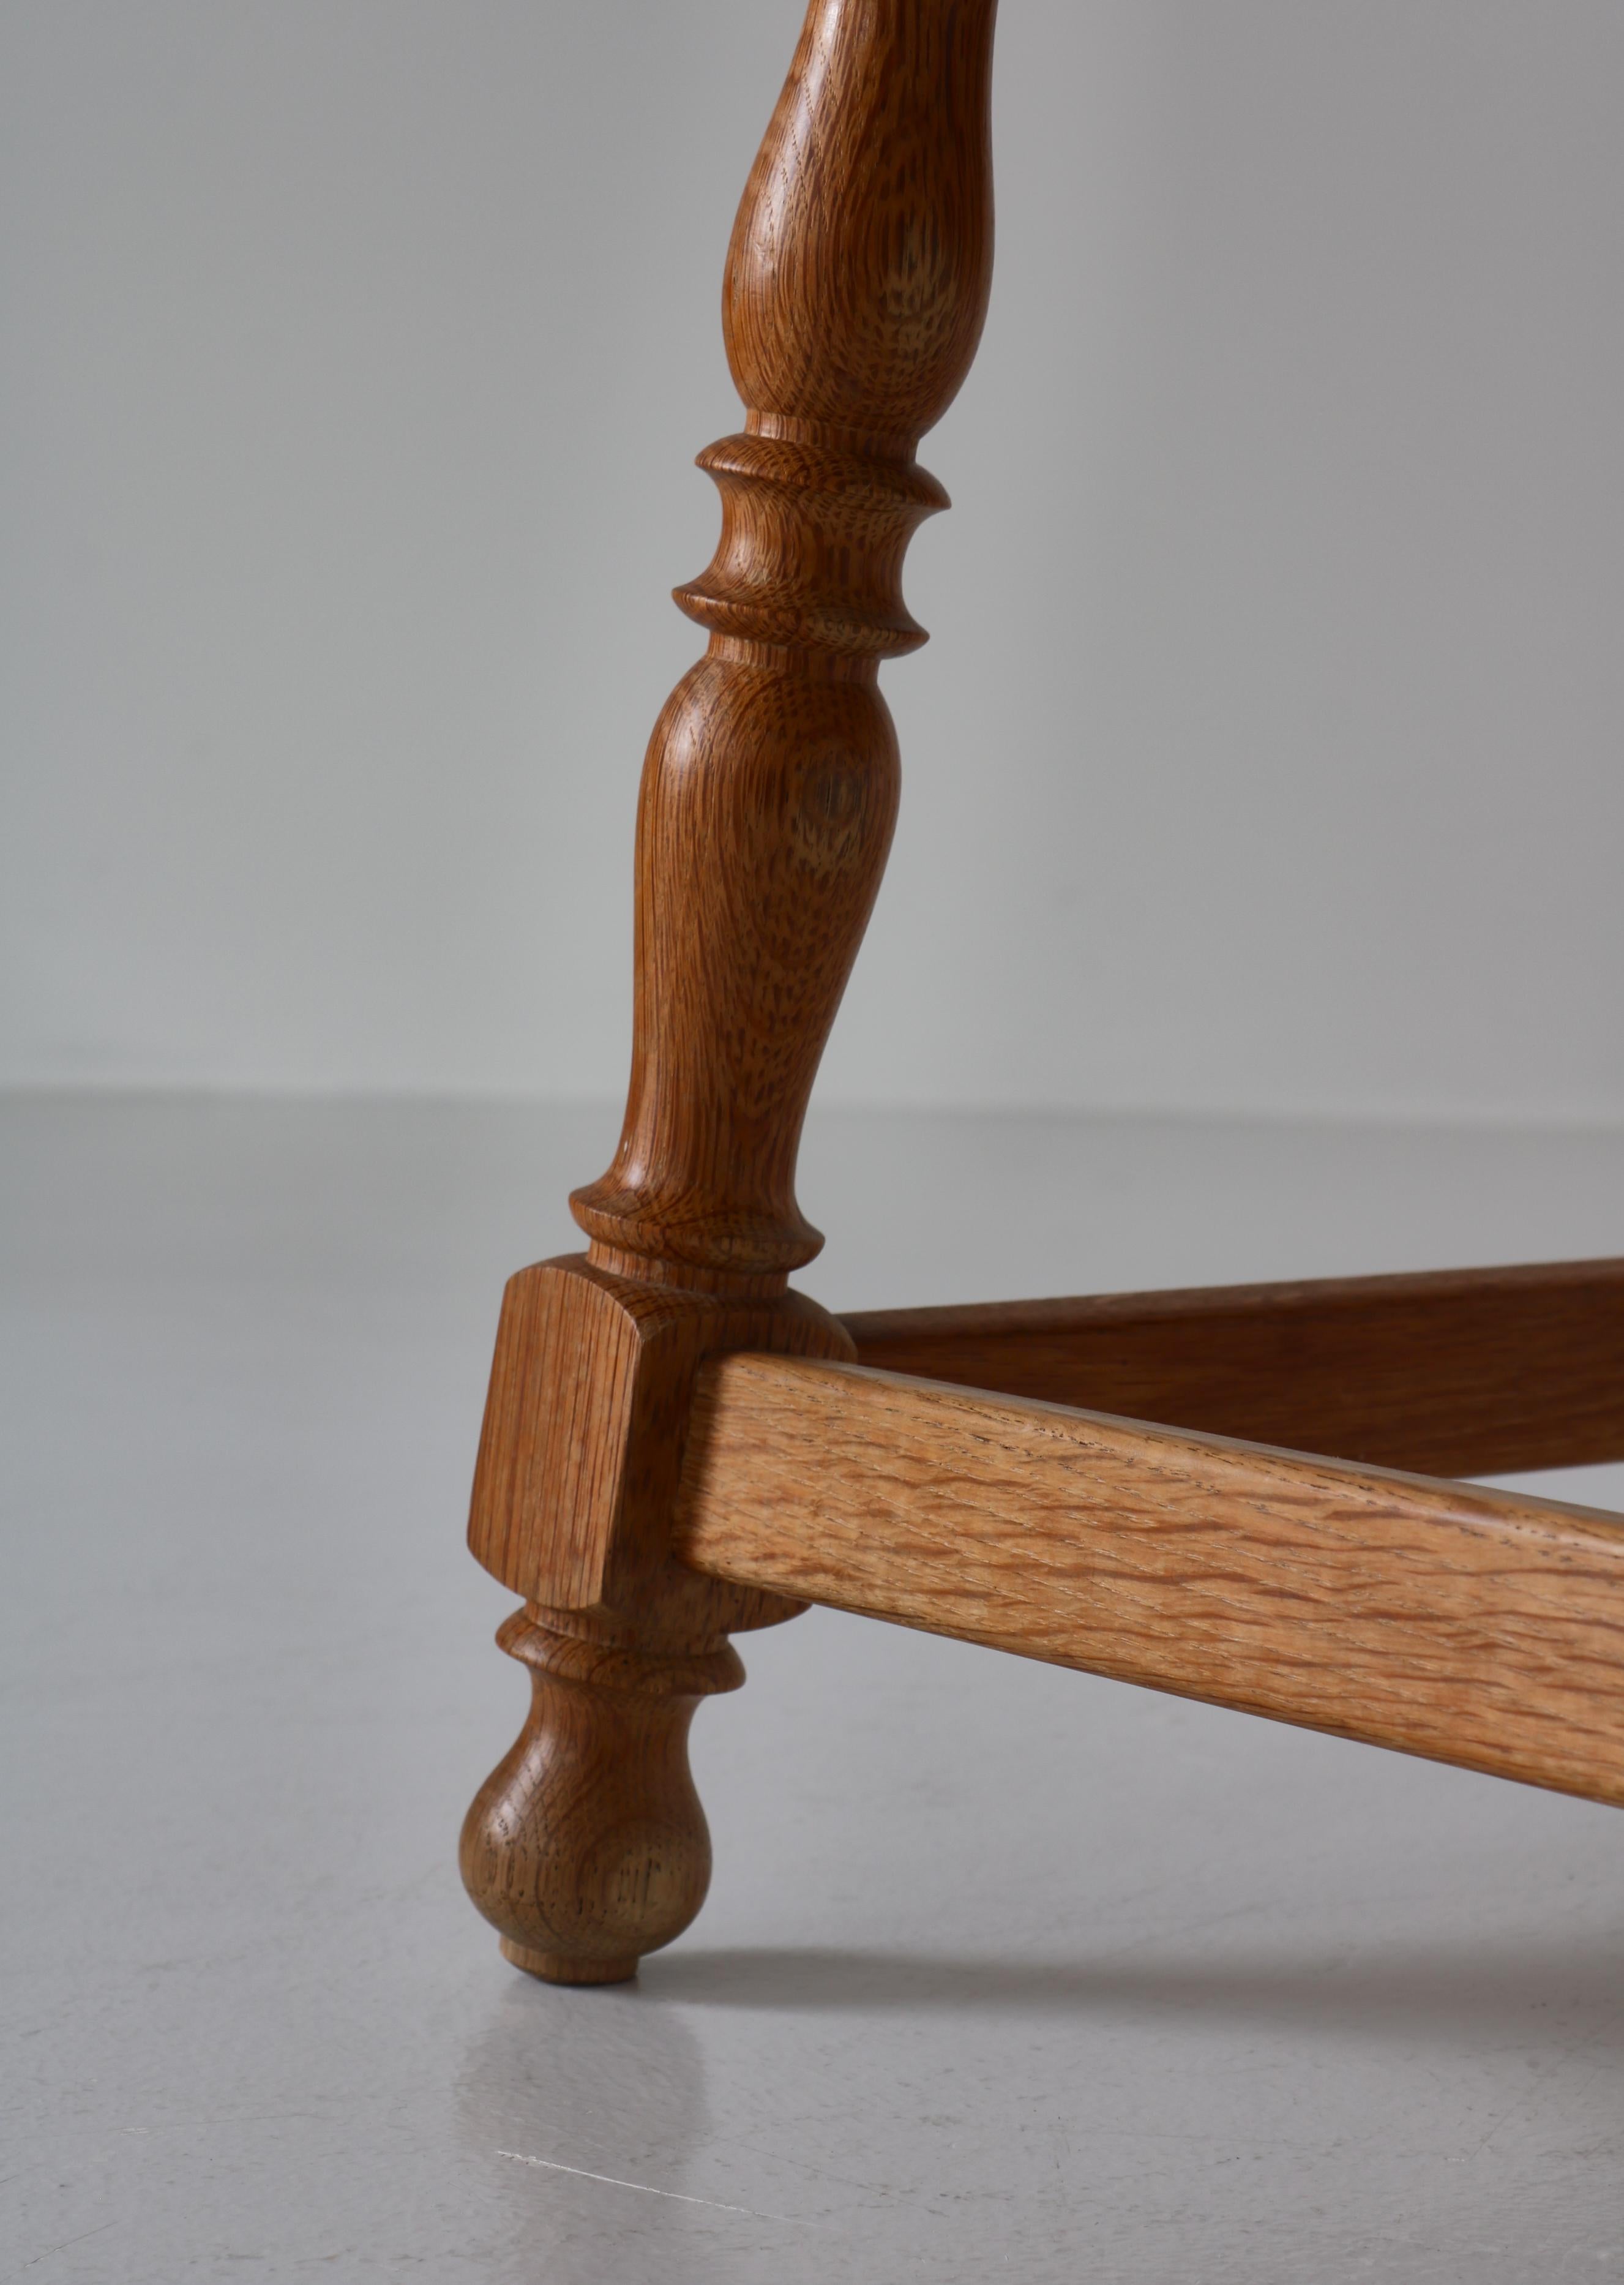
(581, 1450)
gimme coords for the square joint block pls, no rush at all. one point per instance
(584, 1425)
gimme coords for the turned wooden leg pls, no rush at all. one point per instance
(857, 283)
(587, 1845)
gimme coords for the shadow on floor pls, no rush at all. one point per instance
(1571, 1993)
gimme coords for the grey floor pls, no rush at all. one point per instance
(1006, 1970)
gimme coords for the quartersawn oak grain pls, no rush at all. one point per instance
(1469, 1625)
(1457, 1373)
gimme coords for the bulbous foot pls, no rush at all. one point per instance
(587, 1846)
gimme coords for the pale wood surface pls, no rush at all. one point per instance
(1469, 1625)
(1459, 1373)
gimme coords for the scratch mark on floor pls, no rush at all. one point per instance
(556, 2166)
(63, 2247)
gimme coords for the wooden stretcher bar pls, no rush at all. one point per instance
(1470, 1372)
(1472, 1626)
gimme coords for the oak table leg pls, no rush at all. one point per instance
(855, 291)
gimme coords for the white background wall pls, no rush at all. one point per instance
(1268, 752)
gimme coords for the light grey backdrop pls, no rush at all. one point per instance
(1266, 755)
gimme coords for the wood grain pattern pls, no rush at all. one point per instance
(587, 1845)
(581, 1444)
(857, 282)
(856, 286)
(1468, 1625)
(1413, 1612)
(1466, 1372)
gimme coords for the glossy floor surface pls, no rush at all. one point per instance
(1006, 1970)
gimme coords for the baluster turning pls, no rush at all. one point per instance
(855, 291)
